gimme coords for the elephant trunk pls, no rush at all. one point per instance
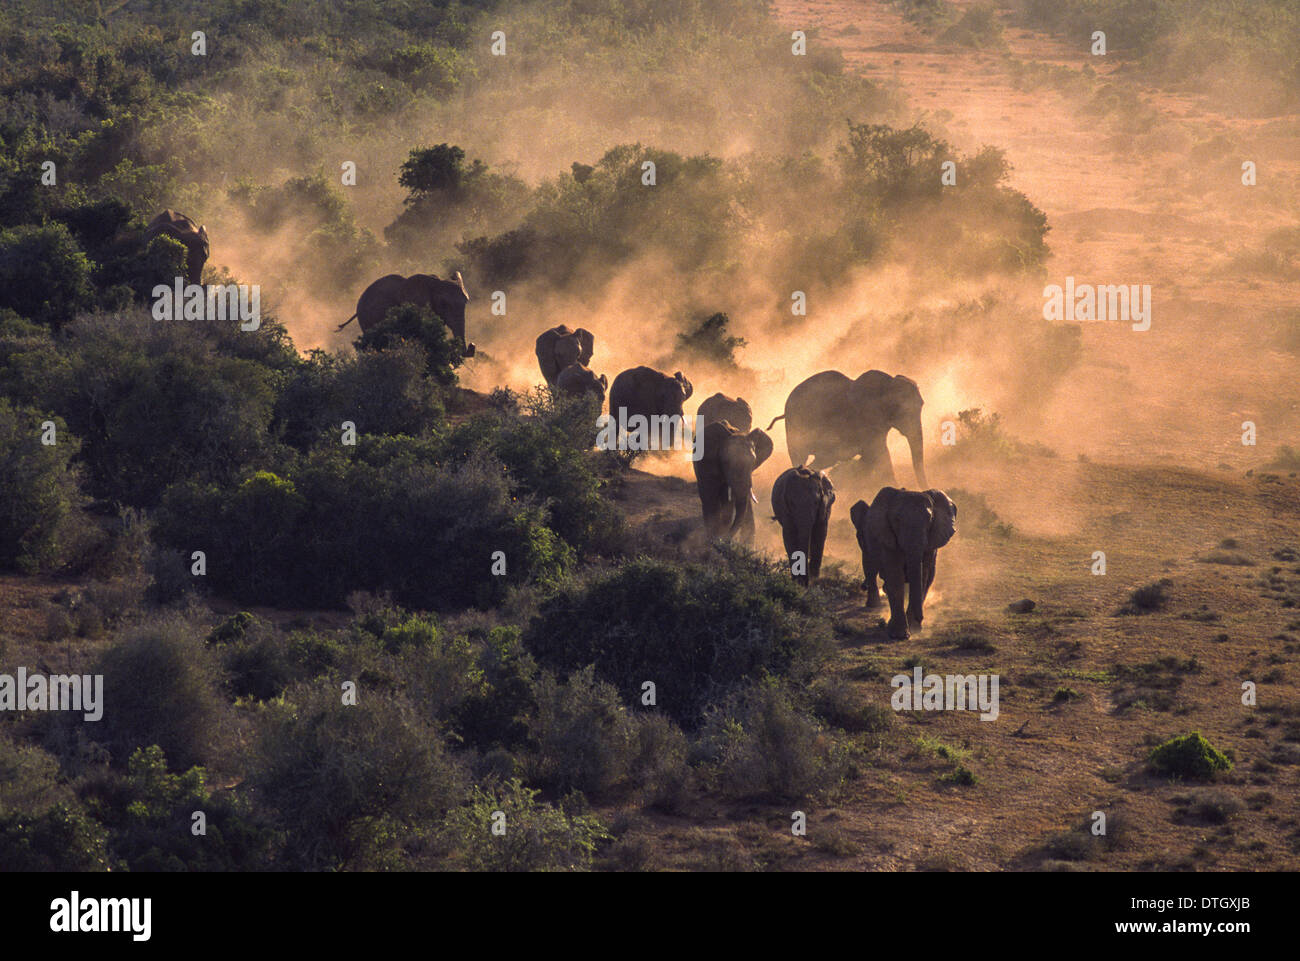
(916, 441)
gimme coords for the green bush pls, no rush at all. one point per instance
(63, 838)
(537, 836)
(761, 744)
(149, 815)
(412, 324)
(423, 532)
(44, 275)
(1190, 756)
(584, 735)
(39, 510)
(161, 687)
(696, 631)
(344, 779)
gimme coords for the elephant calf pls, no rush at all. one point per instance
(900, 535)
(801, 502)
(724, 476)
(579, 381)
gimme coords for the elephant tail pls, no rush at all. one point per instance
(346, 322)
(774, 420)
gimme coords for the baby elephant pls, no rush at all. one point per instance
(724, 476)
(801, 501)
(900, 535)
(579, 381)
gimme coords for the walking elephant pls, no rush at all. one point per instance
(194, 236)
(646, 392)
(579, 381)
(447, 298)
(801, 502)
(835, 419)
(724, 476)
(900, 535)
(734, 410)
(561, 346)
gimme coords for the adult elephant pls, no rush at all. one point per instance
(835, 419)
(650, 393)
(734, 410)
(561, 346)
(447, 298)
(724, 475)
(193, 236)
(900, 535)
(801, 502)
(579, 381)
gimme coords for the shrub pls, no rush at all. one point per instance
(149, 814)
(697, 631)
(155, 404)
(343, 778)
(1190, 756)
(762, 745)
(161, 687)
(41, 499)
(583, 733)
(43, 274)
(538, 836)
(63, 838)
(423, 532)
(413, 324)
(711, 341)
(1151, 597)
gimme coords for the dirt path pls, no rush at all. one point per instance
(1139, 192)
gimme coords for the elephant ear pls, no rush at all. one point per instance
(587, 341)
(858, 514)
(881, 530)
(828, 489)
(763, 445)
(944, 522)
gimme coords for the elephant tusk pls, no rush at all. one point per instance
(753, 497)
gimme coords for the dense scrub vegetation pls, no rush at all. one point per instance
(503, 619)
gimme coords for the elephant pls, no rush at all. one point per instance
(900, 535)
(801, 502)
(561, 346)
(724, 476)
(193, 236)
(650, 393)
(834, 419)
(733, 410)
(447, 297)
(579, 381)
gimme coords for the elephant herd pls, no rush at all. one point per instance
(829, 419)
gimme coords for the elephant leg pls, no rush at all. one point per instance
(877, 464)
(817, 545)
(894, 589)
(794, 542)
(710, 507)
(928, 564)
(869, 580)
(916, 591)
(744, 515)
